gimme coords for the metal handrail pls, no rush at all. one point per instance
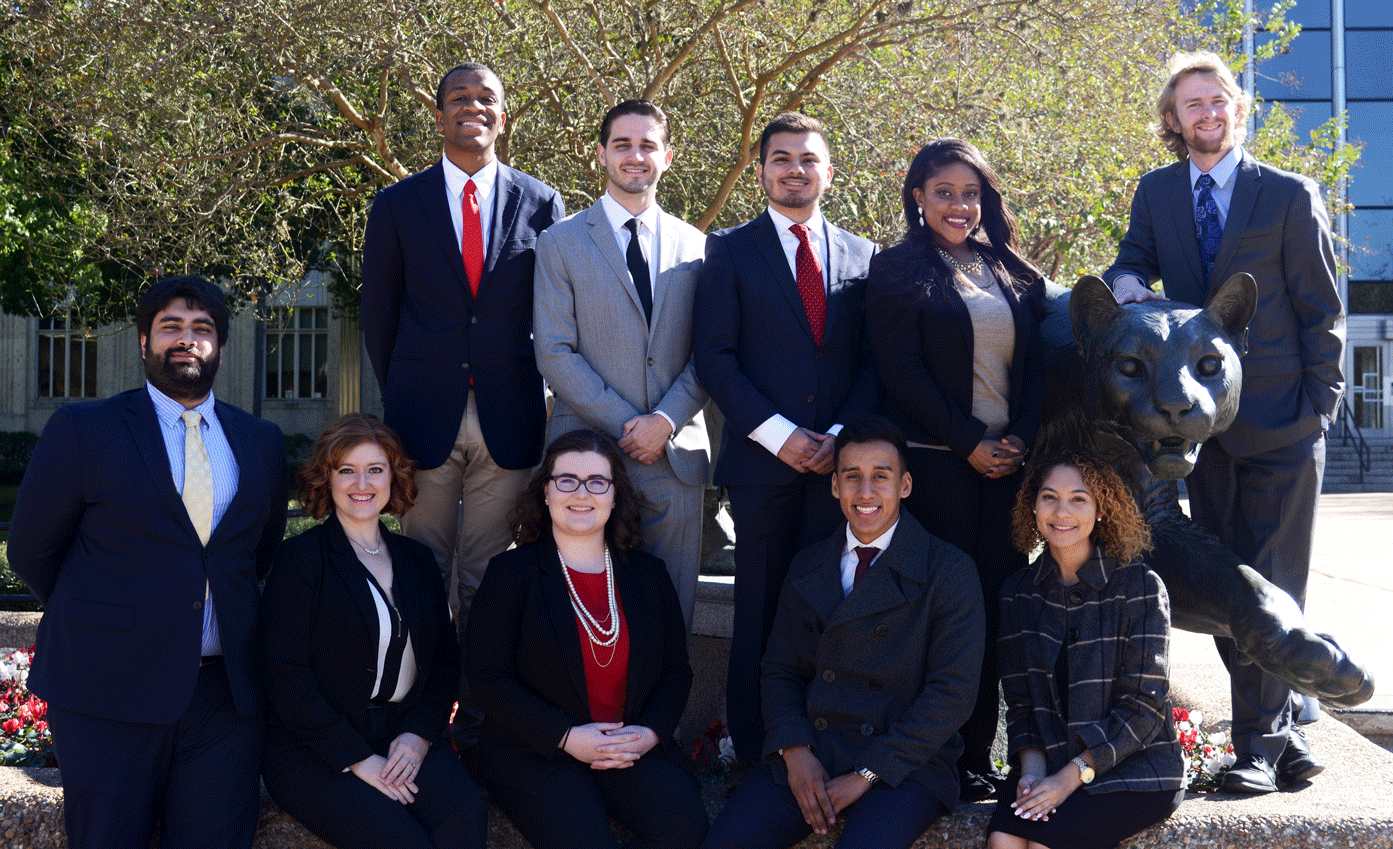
(1362, 449)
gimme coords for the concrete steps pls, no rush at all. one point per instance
(1342, 473)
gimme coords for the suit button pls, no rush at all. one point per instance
(829, 676)
(464, 367)
(1073, 635)
(1075, 597)
(882, 629)
(867, 729)
(198, 605)
(650, 362)
(812, 399)
(876, 686)
(820, 724)
(473, 319)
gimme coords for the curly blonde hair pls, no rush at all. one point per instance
(1120, 530)
(1182, 65)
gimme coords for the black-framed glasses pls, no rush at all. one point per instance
(571, 483)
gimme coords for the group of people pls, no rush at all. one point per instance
(544, 581)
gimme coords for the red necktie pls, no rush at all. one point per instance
(471, 238)
(810, 283)
(864, 555)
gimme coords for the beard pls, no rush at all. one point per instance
(181, 381)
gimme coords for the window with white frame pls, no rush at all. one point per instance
(297, 353)
(67, 358)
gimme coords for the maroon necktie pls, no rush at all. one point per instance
(810, 283)
(864, 555)
(471, 238)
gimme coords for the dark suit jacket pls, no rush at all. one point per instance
(427, 335)
(884, 677)
(522, 655)
(923, 347)
(754, 348)
(102, 537)
(319, 635)
(1278, 231)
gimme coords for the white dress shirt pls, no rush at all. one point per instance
(484, 181)
(850, 558)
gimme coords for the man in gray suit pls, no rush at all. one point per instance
(612, 318)
(871, 669)
(1216, 212)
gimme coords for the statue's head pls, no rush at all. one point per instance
(1168, 374)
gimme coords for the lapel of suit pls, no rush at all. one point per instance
(435, 202)
(411, 598)
(836, 265)
(821, 585)
(603, 238)
(1022, 318)
(1245, 196)
(507, 195)
(240, 440)
(882, 587)
(145, 430)
(1182, 199)
(642, 642)
(666, 240)
(563, 620)
(766, 238)
(353, 573)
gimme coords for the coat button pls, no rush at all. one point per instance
(876, 686)
(1075, 597)
(198, 605)
(650, 362)
(473, 319)
(812, 399)
(464, 367)
(829, 676)
(820, 724)
(1073, 635)
(867, 729)
(882, 629)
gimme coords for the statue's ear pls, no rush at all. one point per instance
(1231, 306)
(1092, 310)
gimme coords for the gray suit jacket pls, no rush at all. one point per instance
(605, 363)
(884, 677)
(1278, 231)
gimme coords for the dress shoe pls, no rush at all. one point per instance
(1252, 774)
(1297, 764)
(976, 787)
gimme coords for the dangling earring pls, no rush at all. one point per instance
(921, 216)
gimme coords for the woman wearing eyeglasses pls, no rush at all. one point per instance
(577, 651)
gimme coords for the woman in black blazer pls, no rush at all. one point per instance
(577, 651)
(360, 661)
(954, 315)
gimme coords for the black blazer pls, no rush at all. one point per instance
(319, 644)
(923, 350)
(102, 537)
(427, 335)
(754, 349)
(522, 655)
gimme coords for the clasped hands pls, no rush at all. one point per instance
(997, 458)
(645, 438)
(395, 775)
(807, 451)
(1037, 796)
(819, 797)
(609, 745)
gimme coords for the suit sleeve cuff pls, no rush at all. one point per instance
(670, 423)
(774, 433)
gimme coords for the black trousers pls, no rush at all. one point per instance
(194, 779)
(958, 505)
(772, 523)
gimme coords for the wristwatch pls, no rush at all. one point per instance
(1086, 773)
(871, 778)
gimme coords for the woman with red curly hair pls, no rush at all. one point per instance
(1084, 669)
(360, 661)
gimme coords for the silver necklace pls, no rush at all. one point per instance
(367, 550)
(598, 633)
(974, 268)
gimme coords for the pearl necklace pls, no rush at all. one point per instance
(599, 635)
(367, 550)
(974, 268)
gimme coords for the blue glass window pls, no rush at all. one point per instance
(1371, 244)
(1303, 72)
(1371, 179)
(1369, 63)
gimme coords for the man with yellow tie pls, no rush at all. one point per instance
(143, 524)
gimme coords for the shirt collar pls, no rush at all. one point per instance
(881, 542)
(171, 412)
(782, 222)
(484, 179)
(1095, 573)
(1222, 171)
(618, 216)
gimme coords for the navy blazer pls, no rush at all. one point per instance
(319, 635)
(923, 347)
(522, 655)
(427, 335)
(1278, 231)
(754, 350)
(102, 537)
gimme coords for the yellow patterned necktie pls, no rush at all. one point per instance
(198, 477)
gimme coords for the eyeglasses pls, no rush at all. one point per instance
(571, 483)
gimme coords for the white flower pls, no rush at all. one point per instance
(1218, 739)
(1196, 718)
(727, 750)
(1182, 726)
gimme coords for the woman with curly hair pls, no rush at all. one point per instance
(1084, 668)
(361, 662)
(576, 650)
(956, 311)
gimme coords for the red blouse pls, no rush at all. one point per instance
(606, 668)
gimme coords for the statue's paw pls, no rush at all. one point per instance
(1315, 665)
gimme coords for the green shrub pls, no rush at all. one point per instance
(16, 447)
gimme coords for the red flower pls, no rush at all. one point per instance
(1180, 715)
(41, 727)
(10, 726)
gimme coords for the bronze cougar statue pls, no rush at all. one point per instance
(1145, 385)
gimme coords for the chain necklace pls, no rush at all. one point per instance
(595, 630)
(367, 550)
(974, 268)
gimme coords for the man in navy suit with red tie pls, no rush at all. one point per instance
(780, 346)
(447, 316)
